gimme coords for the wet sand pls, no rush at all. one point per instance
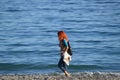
(60, 76)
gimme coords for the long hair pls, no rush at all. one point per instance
(62, 35)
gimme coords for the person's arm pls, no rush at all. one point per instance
(65, 49)
(65, 46)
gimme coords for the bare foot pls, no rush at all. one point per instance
(67, 74)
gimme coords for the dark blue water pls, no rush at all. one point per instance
(28, 35)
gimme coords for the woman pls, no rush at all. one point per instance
(64, 47)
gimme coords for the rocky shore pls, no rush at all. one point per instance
(60, 76)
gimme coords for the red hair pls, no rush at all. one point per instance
(62, 35)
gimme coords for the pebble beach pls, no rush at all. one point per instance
(61, 76)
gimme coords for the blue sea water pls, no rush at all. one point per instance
(28, 35)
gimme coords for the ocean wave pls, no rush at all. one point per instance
(39, 66)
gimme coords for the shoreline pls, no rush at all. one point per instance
(61, 76)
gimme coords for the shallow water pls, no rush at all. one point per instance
(28, 35)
